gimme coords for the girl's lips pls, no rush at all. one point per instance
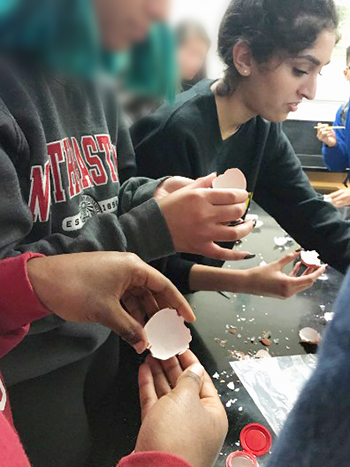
(293, 107)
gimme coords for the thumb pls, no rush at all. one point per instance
(191, 380)
(203, 182)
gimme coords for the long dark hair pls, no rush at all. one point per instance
(186, 31)
(270, 27)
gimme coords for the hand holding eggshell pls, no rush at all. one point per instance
(198, 218)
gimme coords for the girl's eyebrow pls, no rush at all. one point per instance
(311, 59)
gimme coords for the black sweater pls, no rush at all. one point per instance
(185, 139)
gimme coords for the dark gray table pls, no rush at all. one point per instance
(252, 315)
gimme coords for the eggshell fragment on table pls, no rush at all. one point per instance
(282, 241)
(309, 336)
(310, 259)
(232, 178)
(167, 334)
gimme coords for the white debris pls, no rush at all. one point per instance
(231, 386)
(328, 316)
(216, 375)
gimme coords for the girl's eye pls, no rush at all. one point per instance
(299, 73)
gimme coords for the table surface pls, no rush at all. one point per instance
(252, 315)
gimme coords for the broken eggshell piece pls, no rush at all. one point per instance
(167, 334)
(309, 336)
(232, 178)
(310, 259)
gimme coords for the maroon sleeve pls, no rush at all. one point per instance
(153, 459)
(19, 305)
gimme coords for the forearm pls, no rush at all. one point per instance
(209, 278)
(153, 459)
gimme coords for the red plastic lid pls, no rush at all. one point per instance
(256, 439)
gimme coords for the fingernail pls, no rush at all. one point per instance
(249, 257)
(197, 369)
(140, 347)
(254, 223)
(298, 250)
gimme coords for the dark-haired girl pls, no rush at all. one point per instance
(273, 51)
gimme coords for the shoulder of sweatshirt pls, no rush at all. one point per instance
(19, 305)
(153, 459)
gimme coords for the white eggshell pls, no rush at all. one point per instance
(328, 316)
(309, 336)
(232, 178)
(167, 334)
(263, 354)
(310, 258)
(280, 241)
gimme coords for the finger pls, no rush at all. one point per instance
(225, 196)
(142, 301)
(308, 271)
(230, 213)
(287, 259)
(163, 290)
(335, 194)
(296, 269)
(147, 393)
(117, 319)
(315, 274)
(208, 389)
(134, 307)
(173, 370)
(202, 182)
(212, 250)
(191, 380)
(187, 359)
(225, 233)
(161, 383)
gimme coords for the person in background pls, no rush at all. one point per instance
(273, 52)
(193, 44)
(61, 134)
(336, 145)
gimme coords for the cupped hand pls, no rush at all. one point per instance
(271, 281)
(181, 411)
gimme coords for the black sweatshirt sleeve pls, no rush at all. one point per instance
(166, 147)
(141, 227)
(284, 191)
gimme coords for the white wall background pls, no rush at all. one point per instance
(333, 90)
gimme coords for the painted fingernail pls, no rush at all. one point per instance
(254, 223)
(249, 257)
(298, 250)
(140, 347)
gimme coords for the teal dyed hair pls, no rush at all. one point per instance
(65, 34)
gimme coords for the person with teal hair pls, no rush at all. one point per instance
(62, 141)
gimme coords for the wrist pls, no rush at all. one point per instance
(219, 279)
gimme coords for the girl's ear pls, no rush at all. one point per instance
(242, 58)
